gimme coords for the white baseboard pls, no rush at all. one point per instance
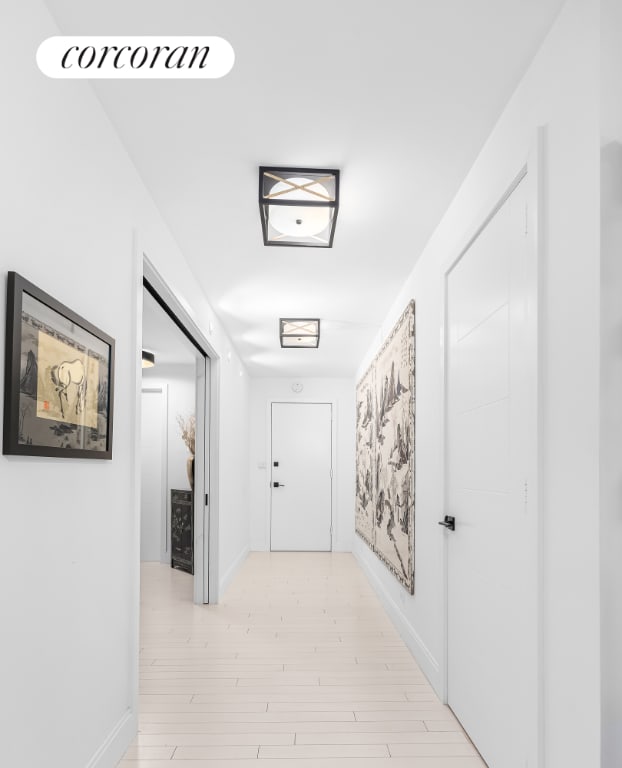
(423, 656)
(116, 743)
(227, 577)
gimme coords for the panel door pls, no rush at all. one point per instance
(492, 554)
(301, 477)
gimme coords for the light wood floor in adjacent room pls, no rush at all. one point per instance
(298, 667)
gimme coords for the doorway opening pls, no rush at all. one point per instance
(168, 441)
(178, 445)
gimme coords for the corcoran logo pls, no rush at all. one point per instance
(135, 57)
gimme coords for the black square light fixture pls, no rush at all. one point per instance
(296, 332)
(298, 205)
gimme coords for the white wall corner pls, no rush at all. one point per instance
(116, 743)
(341, 546)
(231, 571)
(423, 656)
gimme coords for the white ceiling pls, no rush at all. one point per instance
(399, 95)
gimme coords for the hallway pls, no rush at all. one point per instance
(298, 666)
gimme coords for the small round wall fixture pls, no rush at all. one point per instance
(148, 359)
(297, 387)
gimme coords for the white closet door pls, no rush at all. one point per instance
(492, 554)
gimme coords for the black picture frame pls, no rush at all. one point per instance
(59, 378)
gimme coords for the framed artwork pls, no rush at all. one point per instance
(385, 507)
(59, 375)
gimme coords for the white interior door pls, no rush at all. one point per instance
(301, 470)
(492, 554)
(153, 509)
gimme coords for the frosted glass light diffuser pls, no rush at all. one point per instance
(298, 206)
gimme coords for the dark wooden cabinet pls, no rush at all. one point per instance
(182, 530)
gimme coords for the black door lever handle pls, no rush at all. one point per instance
(449, 522)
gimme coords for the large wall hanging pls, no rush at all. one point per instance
(59, 373)
(385, 452)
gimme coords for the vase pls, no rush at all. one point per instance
(190, 471)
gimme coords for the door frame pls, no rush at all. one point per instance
(333, 455)
(531, 170)
(205, 582)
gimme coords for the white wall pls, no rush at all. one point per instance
(181, 381)
(611, 383)
(559, 91)
(341, 393)
(153, 457)
(234, 522)
(180, 385)
(71, 203)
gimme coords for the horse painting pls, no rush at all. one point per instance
(63, 376)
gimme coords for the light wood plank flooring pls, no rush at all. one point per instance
(298, 666)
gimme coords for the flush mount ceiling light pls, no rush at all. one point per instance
(298, 206)
(148, 359)
(296, 332)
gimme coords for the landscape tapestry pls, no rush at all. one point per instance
(365, 449)
(385, 455)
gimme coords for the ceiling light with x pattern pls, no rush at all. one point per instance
(298, 206)
(299, 333)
